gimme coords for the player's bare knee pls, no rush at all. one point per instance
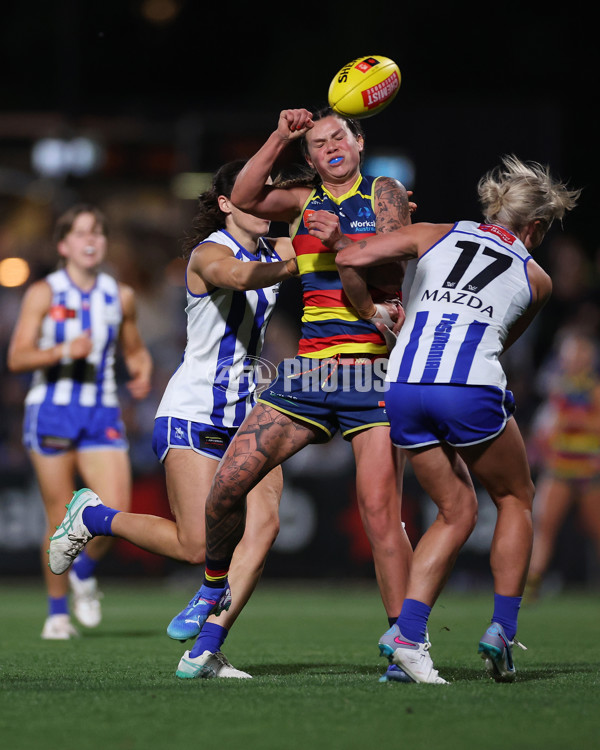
(520, 497)
(461, 513)
(379, 524)
(193, 551)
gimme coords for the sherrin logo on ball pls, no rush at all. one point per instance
(364, 87)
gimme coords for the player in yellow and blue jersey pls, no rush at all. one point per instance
(336, 381)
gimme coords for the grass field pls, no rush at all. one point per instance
(315, 663)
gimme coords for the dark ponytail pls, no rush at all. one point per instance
(209, 218)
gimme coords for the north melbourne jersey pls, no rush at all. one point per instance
(468, 291)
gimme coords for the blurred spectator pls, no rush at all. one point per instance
(565, 448)
(575, 297)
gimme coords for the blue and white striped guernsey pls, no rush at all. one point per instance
(215, 382)
(83, 382)
(468, 290)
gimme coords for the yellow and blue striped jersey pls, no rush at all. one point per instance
(329, 324)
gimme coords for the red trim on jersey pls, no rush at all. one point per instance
(326, 298)
(338, 298)
(306, 243)
(504, 234)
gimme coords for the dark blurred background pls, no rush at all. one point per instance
(133, 104)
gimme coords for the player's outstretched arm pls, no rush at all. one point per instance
(217, 266)
(251, 192)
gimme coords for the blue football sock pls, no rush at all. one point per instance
(211, 639)
(98, 519)
(413, 620)
(84, 567)
(506, 612)
(58, 605)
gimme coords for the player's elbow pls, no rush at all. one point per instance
(342, 261)
(241, 201)
(14, 363)
(239, 282)
(244, 205)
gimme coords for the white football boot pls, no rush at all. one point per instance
(58, 628)
(411, 656)
(86, 600)
(71, 535)
(207, 666)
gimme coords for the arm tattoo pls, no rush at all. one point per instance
(391, 205)
(342, 243)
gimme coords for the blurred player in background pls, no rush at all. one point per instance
(566, 447)
(67, 332)
(336, 346)
(476, 289)
(232, 282)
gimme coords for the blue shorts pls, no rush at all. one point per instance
(459, 415)
(172, 432)
(346, 393)
(52, 429)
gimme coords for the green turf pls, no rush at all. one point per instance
(315, 663)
